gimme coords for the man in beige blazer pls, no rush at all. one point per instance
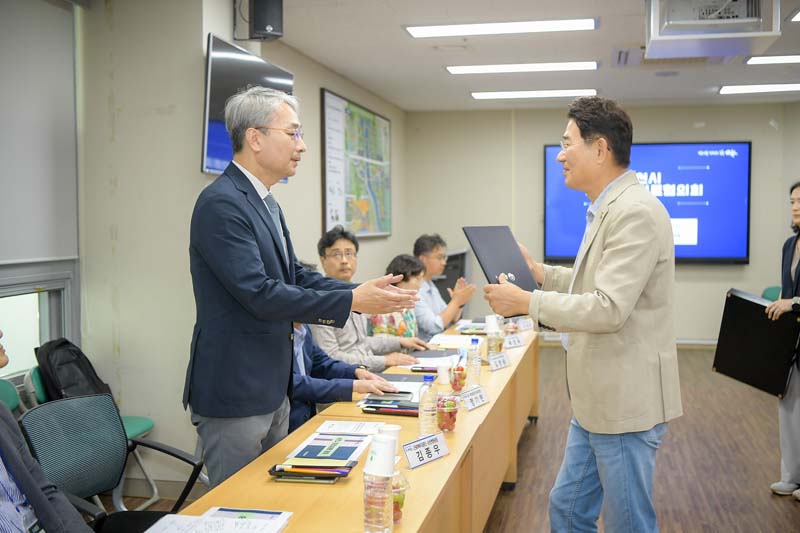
(615, 309)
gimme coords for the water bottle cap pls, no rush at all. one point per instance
(428, 377)
(475, 340)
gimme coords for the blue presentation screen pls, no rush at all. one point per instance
(704, 186)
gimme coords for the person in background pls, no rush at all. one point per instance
(400, 323)
(789, 405)
(433, 314)
(319, 379)
(249, 288)
(338, 253)
(27, 499)
(615, 309)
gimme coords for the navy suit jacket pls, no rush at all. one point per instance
(55, 513)
(247, 294)
(789, 289)
(327, 380)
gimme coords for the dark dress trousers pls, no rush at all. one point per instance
(327, 380)
(55, 513)
(247, 294)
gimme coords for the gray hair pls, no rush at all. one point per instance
(251, 107)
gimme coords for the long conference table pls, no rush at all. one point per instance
(454, 493)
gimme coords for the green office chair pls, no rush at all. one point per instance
(771, 293)
(9, 395)
(82, 447)
(135, 427)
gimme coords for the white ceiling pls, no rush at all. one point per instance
(366, 41)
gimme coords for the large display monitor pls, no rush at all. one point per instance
(228, 70)
(704, 186)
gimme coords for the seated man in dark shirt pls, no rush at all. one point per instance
(27, 498)
(319, 379)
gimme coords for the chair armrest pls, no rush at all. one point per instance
(86, 508)
(197, 465)
(169, 450)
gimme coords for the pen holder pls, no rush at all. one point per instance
(446, 411)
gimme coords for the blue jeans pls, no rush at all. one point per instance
(617, 466)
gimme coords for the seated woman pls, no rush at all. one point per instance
(400, 323)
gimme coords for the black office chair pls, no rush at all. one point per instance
(82, 447)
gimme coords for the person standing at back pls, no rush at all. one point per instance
(249, 288)
(615, 309)
(789, 405)
(433, 314)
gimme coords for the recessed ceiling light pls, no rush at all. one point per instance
(523, 67)
(796, 17)
(773, 60)
(498, 28)
(752, 89)
(557, 93)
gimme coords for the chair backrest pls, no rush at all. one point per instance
(9, 395)
(34, 385)
(771, 293)
(80, 443)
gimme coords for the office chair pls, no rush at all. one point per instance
(82, 447)
(771, 293)
(135, 427)
(9, 396)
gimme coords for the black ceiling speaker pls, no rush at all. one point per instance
(266, 19)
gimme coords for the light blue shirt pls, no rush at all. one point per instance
(428, 308)
(13, 502)
(299, 340)
(591, 213)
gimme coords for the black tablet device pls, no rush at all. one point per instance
(498, 253)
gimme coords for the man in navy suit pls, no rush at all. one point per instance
(317, 378)
(249, 287)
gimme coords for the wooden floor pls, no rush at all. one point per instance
(713, 470)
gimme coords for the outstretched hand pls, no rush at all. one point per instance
(378, 296)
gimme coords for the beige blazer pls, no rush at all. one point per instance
(622, 367)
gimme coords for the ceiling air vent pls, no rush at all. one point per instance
(708, 28)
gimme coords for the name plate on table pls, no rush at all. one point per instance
(426, 449)
(513, 341)
(498, 360)
(474, 397)
(525, 324)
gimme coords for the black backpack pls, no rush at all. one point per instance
(66, 371)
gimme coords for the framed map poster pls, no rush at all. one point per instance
(356, 168)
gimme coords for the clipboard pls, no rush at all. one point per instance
(498, 253)
(753, 349)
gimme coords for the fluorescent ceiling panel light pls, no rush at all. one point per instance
(773, 60)
(796, 17)
(499, 28)
(523, 67)
(753, 89)
(557, 93)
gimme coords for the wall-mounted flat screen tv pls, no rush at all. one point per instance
(228, 70)
(704, 186)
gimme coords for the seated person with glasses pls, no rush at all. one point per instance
(338, 250)
(27, 500)
(316, 378)
(433, 314)
(400, 323)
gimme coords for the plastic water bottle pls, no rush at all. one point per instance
(427, 407)
(474, 364)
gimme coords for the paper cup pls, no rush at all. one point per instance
(393, 430)
(491, 323)
(380, 459)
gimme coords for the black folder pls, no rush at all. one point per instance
(498, 253)
(752, 348)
